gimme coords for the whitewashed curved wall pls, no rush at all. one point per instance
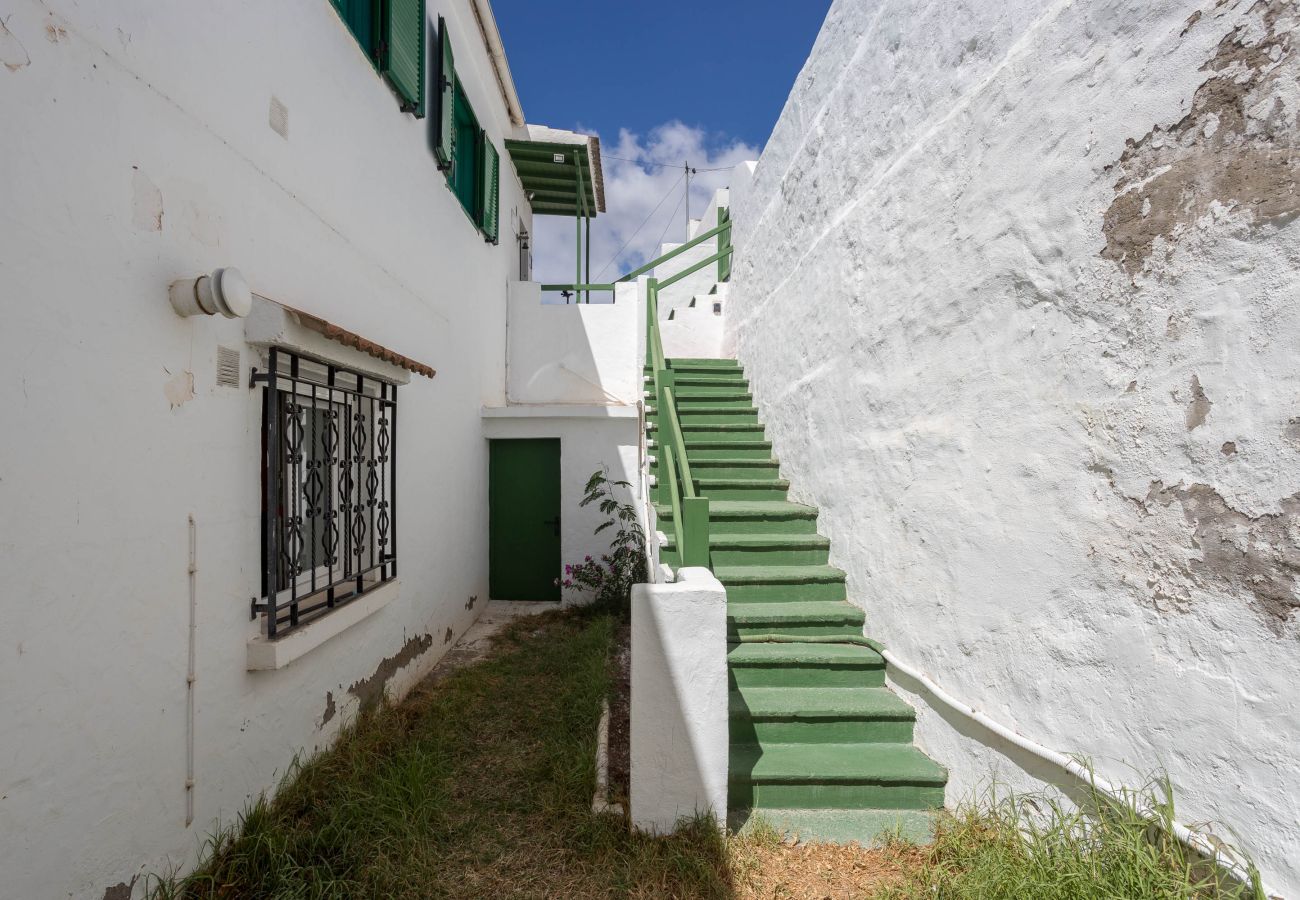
(1018, 292)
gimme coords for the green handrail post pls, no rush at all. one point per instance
(724, 243)
(695, 510)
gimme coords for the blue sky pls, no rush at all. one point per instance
(659, 83)
(724, 65)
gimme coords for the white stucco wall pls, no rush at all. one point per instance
(573, 353)
(137, 149)
(1017, 293)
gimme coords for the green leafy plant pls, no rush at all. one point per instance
(611, 577)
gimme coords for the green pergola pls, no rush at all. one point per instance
(561, 174)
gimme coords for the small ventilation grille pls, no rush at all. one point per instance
(227, 367)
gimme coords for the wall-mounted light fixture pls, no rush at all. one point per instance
(224, 291)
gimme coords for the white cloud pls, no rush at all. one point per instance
(633, 190)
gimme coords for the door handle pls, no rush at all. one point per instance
(555, 523)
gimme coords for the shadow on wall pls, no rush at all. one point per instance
(575, 354)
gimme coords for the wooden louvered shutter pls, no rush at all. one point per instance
(444, 148)
(491, 167)
(402, 60)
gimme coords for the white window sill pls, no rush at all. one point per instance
(268, 655)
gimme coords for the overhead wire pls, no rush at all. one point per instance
(680, 165)
(628, 242)
(671, 216)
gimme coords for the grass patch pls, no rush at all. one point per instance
(1037, 846)
(480, 786)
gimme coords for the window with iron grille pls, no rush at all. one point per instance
(329, 483)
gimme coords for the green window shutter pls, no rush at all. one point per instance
(490, 220)
(402, 60)
(444, 149)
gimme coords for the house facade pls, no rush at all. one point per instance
(259, 270)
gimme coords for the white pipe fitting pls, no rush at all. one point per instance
(224, 291)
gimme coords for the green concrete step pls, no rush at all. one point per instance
(689, 414)
(805, 665)
(769, 549)
(833, 776)
(819, 715)
(728, 448)
(747, 469)
(736, 468)
(690, 389)
(692, 364)
(866, 827)
(802, 619)
(759, 549)
(697, 433)
(738, 398)
(703, 432)
(742, 488)
(776, 584)
(755, 517)
(736, 381)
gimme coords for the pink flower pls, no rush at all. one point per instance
(588, 559)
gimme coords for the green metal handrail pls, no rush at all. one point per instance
(691, 270)
(690, 511)
(722, 232)
(693, 242)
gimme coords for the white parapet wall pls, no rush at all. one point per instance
(1016, 292)
(679, 701)
(571, 353)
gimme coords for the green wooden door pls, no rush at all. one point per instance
(524, 519)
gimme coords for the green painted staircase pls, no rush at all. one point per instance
(819, 744)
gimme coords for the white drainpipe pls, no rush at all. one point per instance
(1185, 835)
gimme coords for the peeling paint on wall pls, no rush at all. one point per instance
(120, 891)
(330, 709)
(1238, 148)
(1257, 554)
(370, 691)
(1199, 406)
(179, 388)
(1292, 431)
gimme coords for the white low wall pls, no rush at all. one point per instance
(1016, 292)
(574, 353)
(679, 701)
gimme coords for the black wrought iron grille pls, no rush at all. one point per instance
(329, 487)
